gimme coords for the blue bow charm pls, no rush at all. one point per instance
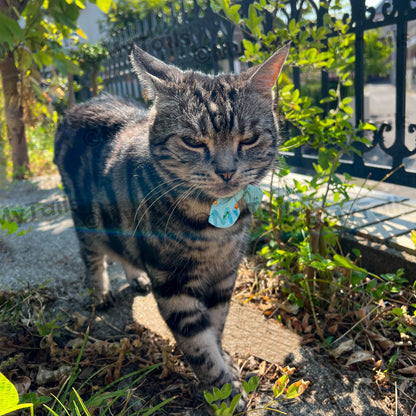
(225, 211)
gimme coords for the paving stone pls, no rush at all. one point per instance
(272, 342)
(394, 209)
(411, 202)
(361, 219)
(390, 228)
(355, 206)
(403, 242)
(376, 214)
(385, 196)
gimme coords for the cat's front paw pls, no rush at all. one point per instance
(238, 389)
(141, 283)
(104, 300)
(232, 365)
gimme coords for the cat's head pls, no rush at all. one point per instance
(216, 133)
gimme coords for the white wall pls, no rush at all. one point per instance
(88, 22)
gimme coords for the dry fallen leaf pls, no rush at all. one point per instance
(408, 370)
(79, 321)
(45, 376)
(344, 347)
(360, 357)
(385, 344)
(288, 370)
(22, 384)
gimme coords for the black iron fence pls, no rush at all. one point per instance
(200, 39)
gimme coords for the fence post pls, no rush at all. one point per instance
(399, 147)
(358, 17)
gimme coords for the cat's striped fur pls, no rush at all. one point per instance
(141, 185)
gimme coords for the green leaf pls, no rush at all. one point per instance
(12, 26)
(226, 391)
(346, 263)
(280, 385)
(348, 110)
(216, 6)
(80, 4)
(292, 26)
(295, 95)
(296, 389)
(371, 285)
(398, 311)
(6, 36)
(234, 403)
(413, 236)
(286, 88)
(10, 226)
(217, 393)
(32, 398)
(253, 21)
(9, 397)
(232, 13)
(104, 5)
(248, 46)
(294, 143)
(224, 410)
(253, 383)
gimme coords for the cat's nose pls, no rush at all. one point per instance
(225, 175)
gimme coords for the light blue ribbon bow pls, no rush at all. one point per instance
(225, 211)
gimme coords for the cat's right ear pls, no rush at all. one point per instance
(155, 74)
(264, 76)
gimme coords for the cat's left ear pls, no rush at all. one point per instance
(155, 74)
(264, 76)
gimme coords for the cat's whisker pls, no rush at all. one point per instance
(177, 203)
(149, 195)
(154, 202)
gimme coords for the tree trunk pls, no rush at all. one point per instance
(3, 159)
(94, 82)
(14, 116)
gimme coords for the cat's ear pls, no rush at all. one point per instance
(263, 77)
(155, 74)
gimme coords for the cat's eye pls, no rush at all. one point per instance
(191, 142)
(250, 140)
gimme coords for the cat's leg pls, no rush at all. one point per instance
(190, 321)
(218, 305)
(97, 276)
(94, 261)
(137, 278)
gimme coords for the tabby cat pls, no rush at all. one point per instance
(141, 185)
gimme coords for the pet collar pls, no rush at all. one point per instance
(225, 211)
